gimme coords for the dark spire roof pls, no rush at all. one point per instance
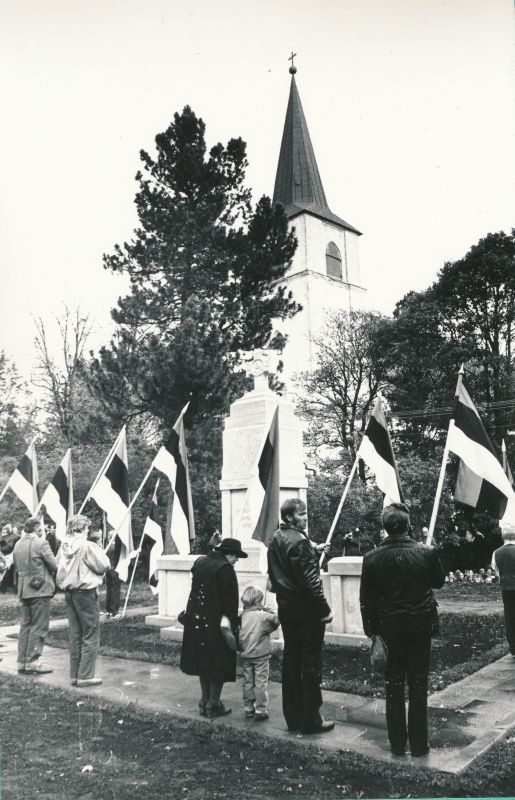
(298, 186)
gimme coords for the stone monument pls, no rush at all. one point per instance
(245, 430)
(244, 433)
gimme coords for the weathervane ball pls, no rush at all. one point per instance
(292, 70)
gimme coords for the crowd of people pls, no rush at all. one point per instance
(398, 609)
(488, 576)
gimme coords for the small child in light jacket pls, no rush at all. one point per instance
(256, 625)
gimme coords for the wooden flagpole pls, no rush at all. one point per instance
(340, 506)
(138, 551)
(439, 487)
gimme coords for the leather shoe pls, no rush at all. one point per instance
(89, 681)
(218, 710)
(39, 669)
(325, 726)
(397, 751)
(420, 753)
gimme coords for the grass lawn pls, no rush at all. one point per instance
(9, 605)
(467, 643)
(476, 592)
(57, 748)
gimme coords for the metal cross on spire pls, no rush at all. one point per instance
(293, 68)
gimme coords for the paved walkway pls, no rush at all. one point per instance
(469, 716)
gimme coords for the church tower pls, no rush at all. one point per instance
(324, 275)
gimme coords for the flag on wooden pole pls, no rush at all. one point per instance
(58, 496)
(505, 464)
(172, 460)
(482, 482)
(260, 512)
(111, 492)
(377, 452)
(154, 531)
(24, 480)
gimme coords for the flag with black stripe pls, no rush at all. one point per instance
(259, 516)
(111, 493)
(58, 496)
(24, 480)
(172, 460)
(505, 464)
(482, 482)
(154, 531)
(377, 452)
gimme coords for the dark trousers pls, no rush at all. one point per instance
(35, 619)
(508, 598)
(408, 658)
(302, 667)
(83, 631)
(113, 584)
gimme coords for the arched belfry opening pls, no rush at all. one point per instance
(333, 261)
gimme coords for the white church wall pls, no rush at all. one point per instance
(313, 236)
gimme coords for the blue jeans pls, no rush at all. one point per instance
(35, 618)
(84, 631)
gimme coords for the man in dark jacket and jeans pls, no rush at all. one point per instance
(303, 613)
(397, 602)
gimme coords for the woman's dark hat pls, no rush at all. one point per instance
(232, 547)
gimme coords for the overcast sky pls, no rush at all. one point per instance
(409, 105)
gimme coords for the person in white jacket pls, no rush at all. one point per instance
(81, 565)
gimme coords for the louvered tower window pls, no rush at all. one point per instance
(333, 261)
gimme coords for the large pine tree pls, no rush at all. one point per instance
(202, 266)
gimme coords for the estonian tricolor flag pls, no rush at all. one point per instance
(111, 493)
(24, 480)
(172, 460)
(377, 453)
(153, 530)
(482, 482)
(259, 517)
(58, 496)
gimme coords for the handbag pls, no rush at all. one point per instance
(181, 617)
(378, 654)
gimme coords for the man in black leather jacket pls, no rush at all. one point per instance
(303, 613)
(397, 602)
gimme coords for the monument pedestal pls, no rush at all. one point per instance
(341, 587)
(244, 433)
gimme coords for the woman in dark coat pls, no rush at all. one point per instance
(205, 652)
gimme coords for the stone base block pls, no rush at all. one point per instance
(160, 621)
(346, 639)
(172, 633)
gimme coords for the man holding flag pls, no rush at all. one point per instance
(303, 611)
(397, 603)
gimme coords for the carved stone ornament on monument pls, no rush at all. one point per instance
(258, 364)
